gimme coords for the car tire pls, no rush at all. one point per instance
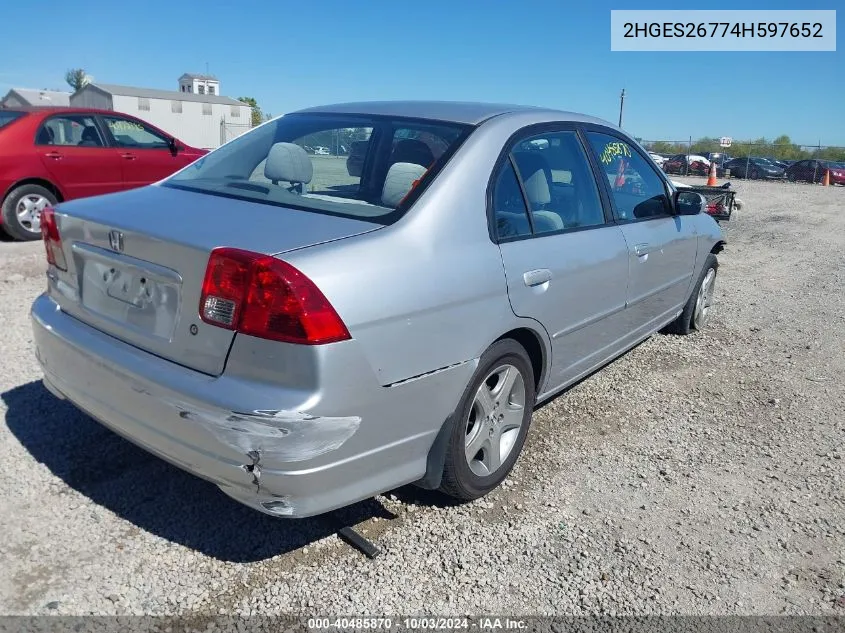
(791, 177)
(754, 174)
(697, 309)
(21, 211)
(468, 476)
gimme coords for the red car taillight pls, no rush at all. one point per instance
(52, 239)
(265, 297)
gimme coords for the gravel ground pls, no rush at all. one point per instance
(695, 475)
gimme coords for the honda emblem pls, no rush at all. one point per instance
(116, 241)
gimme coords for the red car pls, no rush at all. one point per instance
(48, 155)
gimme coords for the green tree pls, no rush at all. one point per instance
(257, 116)
(704, 145)
(666, 147)
(784, 148)
(77, 78)
(836, 154)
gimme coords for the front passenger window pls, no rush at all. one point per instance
(134, 135)
(638, 192)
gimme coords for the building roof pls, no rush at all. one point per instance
(36, 97)
(470, 113)
(200, 77)
(173, 95)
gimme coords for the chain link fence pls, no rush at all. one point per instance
(229, 130)
(759, 160)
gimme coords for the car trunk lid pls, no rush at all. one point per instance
(136, 262)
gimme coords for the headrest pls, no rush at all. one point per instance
(535, 174)
(45, 136)
(288, 162)
(90, 136)
(399, 181)
(411, 150)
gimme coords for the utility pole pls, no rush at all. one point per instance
(621, 106)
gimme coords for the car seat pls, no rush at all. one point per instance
(537, 178)
(90, 137)
(288, 162)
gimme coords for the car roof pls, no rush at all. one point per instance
(54, 109)
(470, 113)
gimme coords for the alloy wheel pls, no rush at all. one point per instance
(28, 211)
(704, 300)
(494, 420)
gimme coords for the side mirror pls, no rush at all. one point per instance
(689, 203)
(173, 145)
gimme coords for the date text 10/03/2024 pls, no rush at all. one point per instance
(419, 623)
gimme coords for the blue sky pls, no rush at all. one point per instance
(540, 52)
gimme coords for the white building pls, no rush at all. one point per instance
(195, 114)
(20, 97)
(199, 84)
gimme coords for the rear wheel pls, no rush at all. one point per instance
(22, 211)
(491, 422)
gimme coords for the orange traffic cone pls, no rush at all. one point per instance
(711, 179)
(826, 180)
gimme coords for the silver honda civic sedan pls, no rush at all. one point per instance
(308, 329)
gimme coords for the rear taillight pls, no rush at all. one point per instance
(52, 239)
(265, 297)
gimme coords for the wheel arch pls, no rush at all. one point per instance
(537, 349)
(41, 182)
(534, 346)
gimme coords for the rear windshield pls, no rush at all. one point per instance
(7, 116)
(361, 167)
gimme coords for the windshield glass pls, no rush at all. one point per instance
(7, 116)
(362, 167)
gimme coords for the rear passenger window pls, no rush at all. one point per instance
(77, 130)
(638, 192)
(508, 205)
(558, 182)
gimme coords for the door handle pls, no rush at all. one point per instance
(537, 277)
(642, 249)
(128, 156)
(53, 155)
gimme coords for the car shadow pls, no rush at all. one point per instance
(153, 495)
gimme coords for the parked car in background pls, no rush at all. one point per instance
(754, 168)
(837, 173)
(49, 155)
(687, 164)
(813, 170)
(225, 319)
(720, 158)
(657, 158)
(322, 151)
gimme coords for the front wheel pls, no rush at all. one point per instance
(490, 423)
(697, 310)
(22, 211)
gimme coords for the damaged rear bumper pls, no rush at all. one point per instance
(282, 451)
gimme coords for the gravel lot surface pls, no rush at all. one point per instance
(695, 475)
